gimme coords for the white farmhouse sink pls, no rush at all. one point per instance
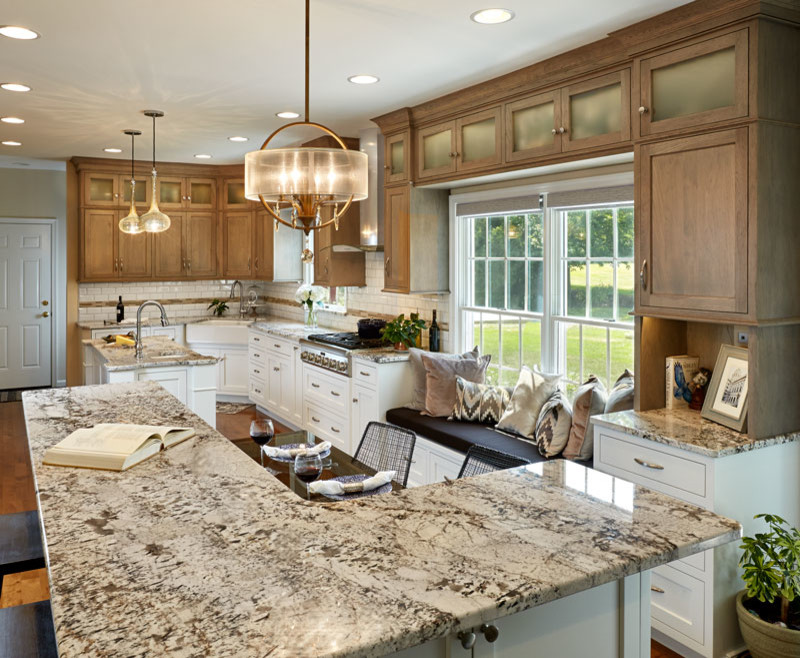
(220, 332)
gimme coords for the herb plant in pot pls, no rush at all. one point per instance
(402, 332)
(769, 616)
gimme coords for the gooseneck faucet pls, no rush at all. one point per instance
(242, 310)
(164, 323)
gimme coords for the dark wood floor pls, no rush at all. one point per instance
(17, 495)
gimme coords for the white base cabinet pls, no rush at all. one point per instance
(227, 342)
(692, 607)
(273, 367)
(432, 462)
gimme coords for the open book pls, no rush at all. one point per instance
(114, 446)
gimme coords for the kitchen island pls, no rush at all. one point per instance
(200, 552)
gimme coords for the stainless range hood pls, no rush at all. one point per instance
(371, 209)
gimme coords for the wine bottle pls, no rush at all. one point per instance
(433, 335)
(120, 310)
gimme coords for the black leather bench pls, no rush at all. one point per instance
(21, 547)
(26, 631)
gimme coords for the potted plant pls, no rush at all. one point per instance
(219, 307)
(402, 332)
(770, 624)
(308, 297)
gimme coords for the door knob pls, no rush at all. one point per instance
(45, 314)
(45, 302)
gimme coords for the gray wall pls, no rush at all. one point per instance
(42, 194)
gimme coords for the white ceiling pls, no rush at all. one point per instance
(225, 68)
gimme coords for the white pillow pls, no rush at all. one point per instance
(419, 374)
(531, 392)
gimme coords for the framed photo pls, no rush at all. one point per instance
(726, 399)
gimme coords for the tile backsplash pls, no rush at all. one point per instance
(190, 299)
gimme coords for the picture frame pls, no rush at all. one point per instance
(726, 399)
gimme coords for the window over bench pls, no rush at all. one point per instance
(548, 283)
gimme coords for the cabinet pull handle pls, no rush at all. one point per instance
(642, 462)
(467, 639)
(276, 346)
(257, 371)
(363, 373)
(335, 394)
(643, 274)
(386, 265)
(256, 262)
(256, 339)
(316, 420)
(655, 589)
(333, 429)
(490, 632)
(248, 263)
(313, 385)
(257, 355)
(355, 400)
(120, 265)
(643, 110)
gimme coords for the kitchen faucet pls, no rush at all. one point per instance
(242, 310)
(164, 323)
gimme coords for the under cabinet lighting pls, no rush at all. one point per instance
(112, 150)
(11, 143)
(238, 138)
(14, 86)
(287, 115)
(363, 79)
(18, 32)
(492, 16)
(12, 120)
(202, 156)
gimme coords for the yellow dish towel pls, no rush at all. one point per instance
(124, 340)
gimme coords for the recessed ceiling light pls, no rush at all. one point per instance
(11, 143)
(112, 150)
(363, 79)
(492, 16)
(18, 32)
(287, 115)
(203, 156)
(238, 138)
(12, 120)
(14, 86)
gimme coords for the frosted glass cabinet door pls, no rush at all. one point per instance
(479, 140)
(171, 194)
(532, 126)
(144, 191)
(597, 111)
(396, 158)
(201, 193)
(436, 150)
(695, 85)
(100, 190)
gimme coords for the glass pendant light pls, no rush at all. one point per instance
(154, 221)
(131, 223)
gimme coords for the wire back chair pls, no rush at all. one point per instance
(386, 447)
(481, 459)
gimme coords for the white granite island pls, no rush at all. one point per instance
(200, 552)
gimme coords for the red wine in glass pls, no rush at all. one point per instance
(308, 474)
(262, 431)
(307, 468)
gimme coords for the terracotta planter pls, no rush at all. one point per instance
(766, 640)
(400, 347)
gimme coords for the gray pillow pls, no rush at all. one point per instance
(553, 426)
(590, 400)
(531, 392)
(479, 403)
(620, 398)
(440, 382)
(419, 374)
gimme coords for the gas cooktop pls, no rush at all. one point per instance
(348, 340)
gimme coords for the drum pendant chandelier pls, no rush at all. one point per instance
(307, 180)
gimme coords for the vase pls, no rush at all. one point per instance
(311, 317)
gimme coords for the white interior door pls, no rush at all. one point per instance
(25, 305)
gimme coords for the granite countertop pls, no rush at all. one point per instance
(159, 352)
(684, 428)
(381, 355)
(284, 328)
(173, 320)
(199, 551)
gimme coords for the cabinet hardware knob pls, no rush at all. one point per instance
(655, 589)
(451, 154)
(45, 302)
(643, 274)
(316, 420)
(562, 130)
(257, 371)
(355, 400)
(45, 314)
(490, 632)
(387, 167)
(333, 429)
(335, 394)
(189, 198)
(467, 639)
(276, 346)
(276, 369)
(642, 462)
(554, 131)
(643, 110)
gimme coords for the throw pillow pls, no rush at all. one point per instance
(620, 398)
(479, 403)
(418, 373)
(590, 400)
(440, 381)
(553, 425)
(531, 392)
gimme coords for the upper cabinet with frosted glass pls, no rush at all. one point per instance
(470, 143)
(195, 193)
(397, 158)
(702, 83)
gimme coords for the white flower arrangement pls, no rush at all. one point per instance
(308, 295)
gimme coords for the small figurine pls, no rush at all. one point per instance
(698, 387)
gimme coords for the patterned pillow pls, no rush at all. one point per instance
(479, 403)
(553, 425)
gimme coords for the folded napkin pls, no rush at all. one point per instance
(336, 488)
(271, 451)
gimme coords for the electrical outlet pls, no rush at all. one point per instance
(743, 338)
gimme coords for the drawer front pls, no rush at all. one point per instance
(678, 601)
(257, 391)
(258, 340)
(652, 467)
(365, 374)
(325, 425)
(278, 345)
(258, 355)
(330, 392)
(258, 371)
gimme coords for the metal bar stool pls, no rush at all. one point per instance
(481, 459)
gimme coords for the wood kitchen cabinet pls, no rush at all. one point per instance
(397, 158)
(338, 258)
(264, 246)
(237, 245)
(144, 192)
(694, 85)
(416, 240)
(108, 254)
(233, 194)
(134, 254)
(176, 193)
(101, 189)
(188, 249)
(692, 225)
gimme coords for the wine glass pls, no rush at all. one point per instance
(307, 468)
(262, 431)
